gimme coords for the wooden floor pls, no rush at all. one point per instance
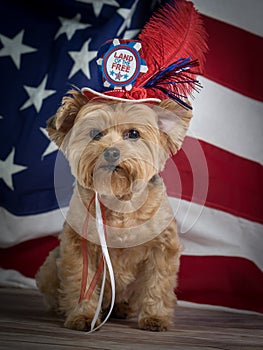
(24, 324)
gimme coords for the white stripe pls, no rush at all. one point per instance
(17, 229)
(211, 232)
(240, 13)
(228, 120)
(14, 279)
(182, 303)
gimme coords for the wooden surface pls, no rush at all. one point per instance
(24, 324)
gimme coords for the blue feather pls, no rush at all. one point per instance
(175, 68)
(172, 79)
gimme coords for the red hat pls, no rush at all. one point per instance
(161, 64)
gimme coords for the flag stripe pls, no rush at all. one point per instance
(28, 256)
(216, 280)
(240, 13)
(206, 231)
(234, 58)
(31, 226)
(213, 177)
(228, 120)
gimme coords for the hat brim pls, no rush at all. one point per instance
(92, 95)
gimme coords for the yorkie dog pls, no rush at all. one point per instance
(117, 150)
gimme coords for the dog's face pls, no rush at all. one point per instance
(115, 148)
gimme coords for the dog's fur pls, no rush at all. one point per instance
(141, 231)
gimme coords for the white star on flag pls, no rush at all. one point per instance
(8, 168)
(82, 59)
(98, 4)
(70, 26)
(15, 48)
(127, 15)
(51, 146)
(37, 95)
(130, 34)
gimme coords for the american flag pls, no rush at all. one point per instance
(214, 183)
(45, 49)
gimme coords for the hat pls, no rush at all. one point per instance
(162, 64)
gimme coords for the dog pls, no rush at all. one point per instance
(117, 149)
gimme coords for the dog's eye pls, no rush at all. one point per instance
(131, 134)
(95, 134)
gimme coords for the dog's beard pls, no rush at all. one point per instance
(112, 180)
(121, 179)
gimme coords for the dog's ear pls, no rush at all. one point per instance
(60, 124)
(173, 121)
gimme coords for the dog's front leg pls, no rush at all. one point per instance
(159, 279)
(79, 314)
(80, 317)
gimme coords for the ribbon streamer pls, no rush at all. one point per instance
(100, 224)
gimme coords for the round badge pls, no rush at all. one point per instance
(122, 64)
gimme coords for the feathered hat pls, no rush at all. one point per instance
(162, 64)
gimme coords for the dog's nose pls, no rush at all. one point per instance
(111, 154)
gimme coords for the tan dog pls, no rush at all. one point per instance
(117, 149)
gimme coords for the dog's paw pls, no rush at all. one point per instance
(154, 324)
(80, 323)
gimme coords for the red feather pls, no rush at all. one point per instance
(174, 32)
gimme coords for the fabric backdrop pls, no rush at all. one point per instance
(214, 183)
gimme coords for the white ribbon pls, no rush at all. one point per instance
(107, 261)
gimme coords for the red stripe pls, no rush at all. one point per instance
(234, 183)
(225, 281)
(234, 58)
(28, 256)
